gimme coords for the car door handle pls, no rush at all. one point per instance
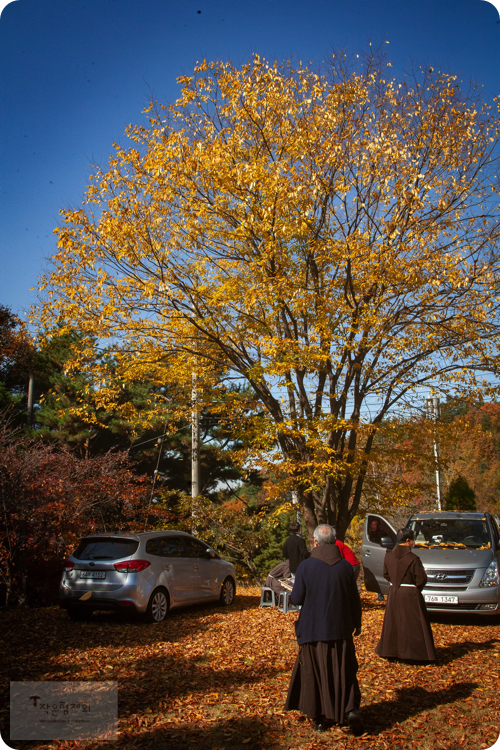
(167, 567)
(367, 553)
(196, 567)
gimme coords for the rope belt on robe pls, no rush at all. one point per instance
(412, 585)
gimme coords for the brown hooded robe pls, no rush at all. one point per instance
(406, 632)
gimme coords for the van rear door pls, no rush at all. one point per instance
(378, 537)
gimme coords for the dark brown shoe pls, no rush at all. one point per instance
(355, 723)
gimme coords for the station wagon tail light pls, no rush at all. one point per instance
(132, 566)
(68, 565)
(490, 576)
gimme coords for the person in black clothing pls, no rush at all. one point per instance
(324, 684)
(294, 548)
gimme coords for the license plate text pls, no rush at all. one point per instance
(440, 599)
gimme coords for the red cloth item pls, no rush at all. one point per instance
(347, 553)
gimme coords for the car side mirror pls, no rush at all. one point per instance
(387, 542)
(211, 553)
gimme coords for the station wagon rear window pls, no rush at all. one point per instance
(451, 533)
(167, 546)
(107, 548)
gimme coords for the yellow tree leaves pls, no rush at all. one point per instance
(330, 239)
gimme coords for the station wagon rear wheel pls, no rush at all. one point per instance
(158, 606)
(227, 592)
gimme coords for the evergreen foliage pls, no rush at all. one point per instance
(460, 495)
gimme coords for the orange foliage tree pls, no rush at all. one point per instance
(330, 239)
(476, 457)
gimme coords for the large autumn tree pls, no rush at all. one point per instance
(330, 239)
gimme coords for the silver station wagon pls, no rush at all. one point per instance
(149, 573)
(459, 551)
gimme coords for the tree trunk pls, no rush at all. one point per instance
(306, 503)
(8, 586)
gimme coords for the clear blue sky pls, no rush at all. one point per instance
(75, 73)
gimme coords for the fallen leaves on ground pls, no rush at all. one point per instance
(216, 679)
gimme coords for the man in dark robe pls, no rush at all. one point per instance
(324, 685)
(406, 632)
(294, 548)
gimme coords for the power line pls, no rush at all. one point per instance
(137, 445)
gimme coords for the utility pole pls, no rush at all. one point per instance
(160, 442)
(31, 386)
(433, 411)
(195, 451)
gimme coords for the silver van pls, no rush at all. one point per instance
(150, 573)
(460, 553)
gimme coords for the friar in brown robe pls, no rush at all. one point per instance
(406, 632)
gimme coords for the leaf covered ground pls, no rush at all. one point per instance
(216, 679)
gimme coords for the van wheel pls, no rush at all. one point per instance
(227, 592)
(158, 606)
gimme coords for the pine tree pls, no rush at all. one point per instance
(460, 495)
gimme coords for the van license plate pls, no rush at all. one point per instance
(440, 599)
(92, 574)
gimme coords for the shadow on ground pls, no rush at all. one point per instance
(457, 650)
(409, 702)
(231, 734)
(268, 732)
(50, 631)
